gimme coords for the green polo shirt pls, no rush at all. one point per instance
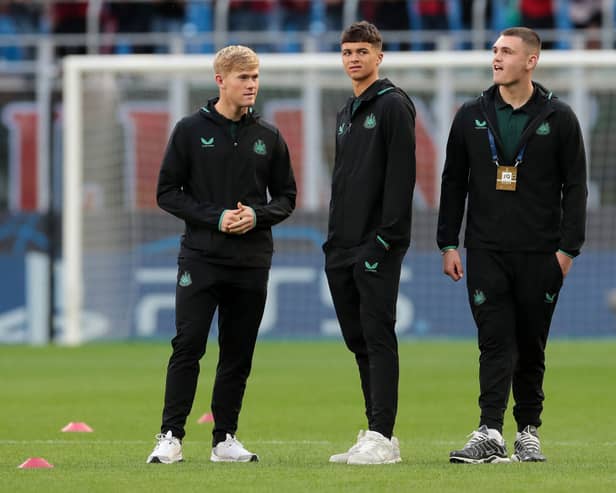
(233, 126)
(511, 124)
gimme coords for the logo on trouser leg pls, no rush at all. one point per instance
(371, 267)
(478, 297)
(550, 298)
(185, 279)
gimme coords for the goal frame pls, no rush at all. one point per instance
(76, 66)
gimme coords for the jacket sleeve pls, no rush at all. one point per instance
(399, 172)
(281, 187)
(574, 190)
(454, 186)
(173, 190)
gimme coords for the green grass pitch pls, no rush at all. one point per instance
(302, 404)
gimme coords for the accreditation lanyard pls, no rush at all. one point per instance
(506, 176)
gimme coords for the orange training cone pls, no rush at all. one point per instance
(77, 426)
(35, 462)
(206, 418)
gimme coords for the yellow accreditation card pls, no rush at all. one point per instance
(506, 178)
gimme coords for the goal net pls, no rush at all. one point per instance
(119, 249)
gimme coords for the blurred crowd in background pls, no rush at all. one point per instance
(291, 18)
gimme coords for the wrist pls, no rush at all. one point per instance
(565, 253)
(222, 215)
(254, 217)
(446, 249)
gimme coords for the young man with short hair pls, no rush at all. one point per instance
(369, 233)
(219, 167)
(516, 154)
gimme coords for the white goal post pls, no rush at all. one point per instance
(443, 78)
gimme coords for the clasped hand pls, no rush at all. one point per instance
(238, 221)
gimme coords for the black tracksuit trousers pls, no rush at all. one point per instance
(512, 297)
(239, 294)
(365, 304)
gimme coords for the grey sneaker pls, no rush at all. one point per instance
(231, 450)
(485, 445)
(168, 450)
(527, 446)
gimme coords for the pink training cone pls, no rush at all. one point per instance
(206, 418)
(35, 462)
(77, 426)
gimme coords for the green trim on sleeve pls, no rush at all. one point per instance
(451, 247)
(565, 253)
(382, 242)
(220, 219)
(254, 218)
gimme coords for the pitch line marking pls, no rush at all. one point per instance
(558, 443)
(139, 442)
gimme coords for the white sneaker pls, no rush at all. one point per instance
(167, 451)
(231, 450)
(376, 449)
(396, 445)
(344, 456)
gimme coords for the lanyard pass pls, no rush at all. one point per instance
(506, 176)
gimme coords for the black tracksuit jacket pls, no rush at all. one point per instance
(547, 212)
(374, 175)
(206, 170)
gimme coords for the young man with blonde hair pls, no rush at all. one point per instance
(220, 166)
(516, 156)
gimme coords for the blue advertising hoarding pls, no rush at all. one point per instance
(138, 301)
